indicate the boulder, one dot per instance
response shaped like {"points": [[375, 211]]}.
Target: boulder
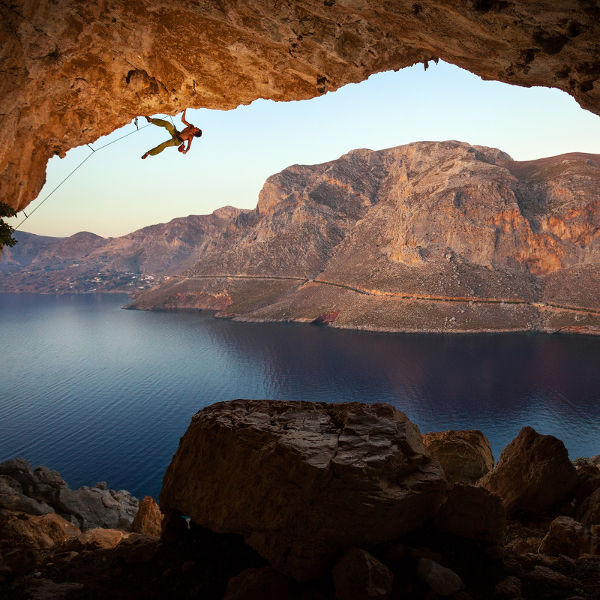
{"points": [[358, 575], [98, 507], [567, 536], [41, 491], [473, 513], [589, 512], [148, 519], [533, 474], [40, 532], [259, 584], [441, 580], [465, 456], [303, 481]]}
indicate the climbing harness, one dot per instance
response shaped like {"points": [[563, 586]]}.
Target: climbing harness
{"points": [[93, 151]]}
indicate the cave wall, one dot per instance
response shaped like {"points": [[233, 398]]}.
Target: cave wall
{"points": [[74, 70]]}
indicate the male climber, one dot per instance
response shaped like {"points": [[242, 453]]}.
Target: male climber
{"points": [[178, 138]]}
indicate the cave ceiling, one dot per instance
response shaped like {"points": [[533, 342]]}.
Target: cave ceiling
{"points": [[73, 70]]}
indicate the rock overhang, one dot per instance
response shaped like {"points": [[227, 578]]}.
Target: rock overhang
{"points": [[75, 71]]}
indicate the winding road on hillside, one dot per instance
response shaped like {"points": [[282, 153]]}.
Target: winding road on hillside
{"points": [[403, 295]]}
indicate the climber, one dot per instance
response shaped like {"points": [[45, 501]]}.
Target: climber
{"points": [[178, 138]]}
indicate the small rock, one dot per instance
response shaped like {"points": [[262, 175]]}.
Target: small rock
{"points": [[441, 580], [589, 512], [567, 536], [465, 456], [261, 584], [148, 519], [358, 575], [546, 577], [97, 539], [509, 589]]}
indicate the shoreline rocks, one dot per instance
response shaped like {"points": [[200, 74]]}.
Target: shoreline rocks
{"points": [[42, 491], [315, 477]]}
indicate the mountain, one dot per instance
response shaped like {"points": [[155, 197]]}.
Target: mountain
{"points": [[436, 236], [87, 262]]}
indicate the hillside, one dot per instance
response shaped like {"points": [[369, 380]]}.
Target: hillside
{"points": [[438, 236], [87, 262]]}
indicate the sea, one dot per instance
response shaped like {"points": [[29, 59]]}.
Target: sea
{"points": [[104, 394]]}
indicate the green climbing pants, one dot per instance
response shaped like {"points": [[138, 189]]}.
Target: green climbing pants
{"points": [[174, 141]]}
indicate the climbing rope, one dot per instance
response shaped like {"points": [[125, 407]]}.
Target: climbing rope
{"points": [[93, 151]]}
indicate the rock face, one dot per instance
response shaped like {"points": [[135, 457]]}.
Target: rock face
{"points": [[437, 236], [533, 474], [465, 456], [111, 62], [41, 491], [345, 474]]}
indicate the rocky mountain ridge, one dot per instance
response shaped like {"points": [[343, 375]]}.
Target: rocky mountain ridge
{"points": [[439, 236]]}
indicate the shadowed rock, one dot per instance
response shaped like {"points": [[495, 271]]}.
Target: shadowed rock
{"points": [[302, 481], [567, 536], [473, 513], [358, 575], [533, 474]]}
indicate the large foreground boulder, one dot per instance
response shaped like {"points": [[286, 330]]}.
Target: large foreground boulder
{"points": [[303, 481], [533, 474], [465, 455]]}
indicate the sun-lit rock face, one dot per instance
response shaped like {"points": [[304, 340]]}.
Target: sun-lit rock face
{"points": [[74, 70]]}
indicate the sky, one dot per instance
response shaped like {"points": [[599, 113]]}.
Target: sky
{"points": [[115, 192]]}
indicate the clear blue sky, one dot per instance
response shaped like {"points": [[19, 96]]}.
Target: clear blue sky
{"points": [[115, 192]]}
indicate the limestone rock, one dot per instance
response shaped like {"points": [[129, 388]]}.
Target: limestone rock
{"points": [[97, 507], [302, 481], [473, 513], [358, 575], [465, 456], [533, 474], [567, 536], [111, 62], [42, 490], [441, 580], [148, 519], [259, 584]]}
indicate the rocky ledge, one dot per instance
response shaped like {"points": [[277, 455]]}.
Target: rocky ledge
{"points": [[292, 500]]}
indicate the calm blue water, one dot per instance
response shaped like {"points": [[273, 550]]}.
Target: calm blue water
{"points": [[104, 394]]}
